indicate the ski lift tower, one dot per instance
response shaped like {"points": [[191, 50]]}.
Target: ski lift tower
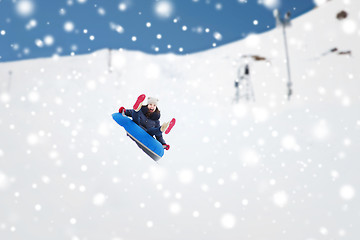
{"points": [[8, 84], [285, 22], [110, 67], [243, 85]]}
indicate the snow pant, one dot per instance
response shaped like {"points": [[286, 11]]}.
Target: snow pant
{"points": [[151, 131]]}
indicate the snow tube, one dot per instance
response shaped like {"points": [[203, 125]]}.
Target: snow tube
{"points": [[147, 143]]}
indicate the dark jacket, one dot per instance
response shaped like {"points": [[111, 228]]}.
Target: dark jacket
{"points": [[148, 120]]}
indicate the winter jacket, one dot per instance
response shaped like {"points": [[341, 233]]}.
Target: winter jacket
{"points": [[148, 121]]}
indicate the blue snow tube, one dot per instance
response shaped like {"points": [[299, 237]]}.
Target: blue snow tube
{"points": [[147, 143]]}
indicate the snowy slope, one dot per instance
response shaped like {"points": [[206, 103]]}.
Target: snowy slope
{"points": [[269, 169]]}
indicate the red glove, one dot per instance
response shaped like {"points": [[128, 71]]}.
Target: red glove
{"points": [[166, 146], [122, 109]]}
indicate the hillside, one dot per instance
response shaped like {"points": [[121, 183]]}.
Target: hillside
{"points": [[264, 169]]}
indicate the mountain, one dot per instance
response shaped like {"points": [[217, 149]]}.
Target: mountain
{"points": [[272, 168]]}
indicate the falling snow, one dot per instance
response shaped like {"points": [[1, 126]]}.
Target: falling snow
{"points": [[25, 8], [347, 192], [228, 221], [163, 8], [280, 198], [271, 4], [69, 26], [272, 168]]}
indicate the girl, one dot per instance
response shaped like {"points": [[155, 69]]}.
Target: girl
{"points": [[147, 117]]}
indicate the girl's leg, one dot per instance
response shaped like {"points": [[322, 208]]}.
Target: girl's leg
{"points": [[157, 133], [154, 131], [136, 117]]}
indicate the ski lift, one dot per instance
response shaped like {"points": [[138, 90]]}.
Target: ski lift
{"points": [[242, 84], [285, 22]]}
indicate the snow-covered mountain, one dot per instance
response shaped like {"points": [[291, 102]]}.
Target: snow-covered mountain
{"points": [[264, 169]]}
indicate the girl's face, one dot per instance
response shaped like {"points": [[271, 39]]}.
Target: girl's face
{"points": [[152, 107]]}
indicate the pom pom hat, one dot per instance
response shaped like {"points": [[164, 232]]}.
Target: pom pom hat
{"points": [[152, 100]]}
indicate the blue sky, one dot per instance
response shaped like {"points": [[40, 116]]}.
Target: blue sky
{"points": [[43, 28]]}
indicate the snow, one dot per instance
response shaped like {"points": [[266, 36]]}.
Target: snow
{"points": [[228, 221], [217, 36], [163, 9], [3, 181], [347, 192], [271, 4], [349, 26], [122, 6], [175, 208], [25, 8], [218, 6], [321, 130], [69, 26], [37, 207], [249, 157], [185, 176], [319, 2], [99, 199], [264, 169], [49, 40], [280, 198], [73, 221], [39, 43], [253, 41], [101, 11]]}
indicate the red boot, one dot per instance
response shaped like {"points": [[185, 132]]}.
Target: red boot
{"points": [[137, 106], [166, 127]]}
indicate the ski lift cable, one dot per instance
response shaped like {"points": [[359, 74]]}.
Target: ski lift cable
{"points": [[284, 23]]}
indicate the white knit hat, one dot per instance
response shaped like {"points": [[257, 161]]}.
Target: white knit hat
{"points": [[152, 100]]}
